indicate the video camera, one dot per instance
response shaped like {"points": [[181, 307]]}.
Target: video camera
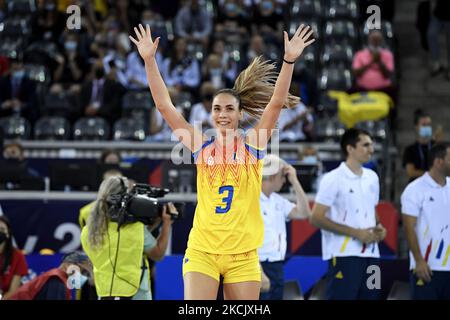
{"points": [[141, 204]]}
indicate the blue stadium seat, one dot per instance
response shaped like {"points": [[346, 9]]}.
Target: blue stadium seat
{"points": [[130, 129], [338, 30], [91, 129], [15, 127], [52, 128]]}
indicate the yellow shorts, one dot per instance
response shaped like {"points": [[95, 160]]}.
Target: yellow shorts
{"points": [[233, 267]]}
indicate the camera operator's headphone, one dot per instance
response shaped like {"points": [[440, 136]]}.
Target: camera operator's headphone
{"points": [[114, 200]]}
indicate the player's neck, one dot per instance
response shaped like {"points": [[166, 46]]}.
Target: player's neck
{"points": [[437, 176], [354, 166]]}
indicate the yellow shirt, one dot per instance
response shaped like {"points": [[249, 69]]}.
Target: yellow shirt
{"points": [[227, 218]]}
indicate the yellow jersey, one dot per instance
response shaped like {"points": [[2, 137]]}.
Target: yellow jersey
{"points": [[227, 218]]}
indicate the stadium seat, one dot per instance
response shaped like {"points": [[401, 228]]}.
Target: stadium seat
{"points": [[338, 54], [292, 291], [15, 28], [21, 7], [347, 9], [305, 8], [91, 129], [15, 127], [318, 292], [11, 48], [338, 30], [38, 73], [399, 291], [335, 78], [52, 128], [329, 129], [57, 105], [312, 22], [130, 129], [137, 100]]}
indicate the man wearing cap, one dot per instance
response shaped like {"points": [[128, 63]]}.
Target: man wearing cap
{"points": [[276, 211], [56, 283]]}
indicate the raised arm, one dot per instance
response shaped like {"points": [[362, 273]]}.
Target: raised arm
{"points": [[185, 132], [292, 50]]}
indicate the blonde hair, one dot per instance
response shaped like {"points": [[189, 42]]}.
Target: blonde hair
{"points": [[254, 88], [99, 219]]}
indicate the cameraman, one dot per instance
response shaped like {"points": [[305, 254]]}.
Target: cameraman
{"points": [[121, 269]]}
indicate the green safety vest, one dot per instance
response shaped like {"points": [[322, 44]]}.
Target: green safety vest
{"points": [[128, 271]]}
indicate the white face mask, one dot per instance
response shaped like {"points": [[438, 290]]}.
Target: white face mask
{"points": [[310, 160]]}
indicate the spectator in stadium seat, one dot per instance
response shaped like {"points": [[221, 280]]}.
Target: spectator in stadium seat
{"points": [[276, 212], [213, 72], [425, 208], [232, 19], [228, 207], [56, 284], [229, 65], [13, 265], [18, 93], [159, 129], [201, 112], [295, 124], [193, 23], [439, 21], [47, 22], [345, 210], [415, 157], [71, 71], [181, 70], [101, 97], [373, 66], [267, 21]]}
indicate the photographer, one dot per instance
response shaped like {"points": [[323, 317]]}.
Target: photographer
{"points": [[118, 252]]}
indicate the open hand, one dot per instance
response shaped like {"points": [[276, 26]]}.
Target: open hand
{"points": [[144, 43], [293, 48]]}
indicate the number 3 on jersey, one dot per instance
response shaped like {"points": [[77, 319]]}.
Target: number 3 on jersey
{"points": [[226, 200]]}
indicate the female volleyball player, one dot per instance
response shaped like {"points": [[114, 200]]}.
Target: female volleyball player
{"points": [[228, 227]]}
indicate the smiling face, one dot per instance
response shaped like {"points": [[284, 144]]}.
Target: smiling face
{"points": [[225, 112]]}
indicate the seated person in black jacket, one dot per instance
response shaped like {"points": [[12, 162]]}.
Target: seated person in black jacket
{"points": [[18, 93], [101, 97]]}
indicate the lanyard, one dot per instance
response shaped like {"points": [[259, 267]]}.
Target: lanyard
{"points": [[422, 156]]}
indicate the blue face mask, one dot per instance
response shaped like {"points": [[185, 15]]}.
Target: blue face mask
{"points": [[231, 7], [18, 74], [425, 131], [310, 160], [267, 5], [70, 45]]}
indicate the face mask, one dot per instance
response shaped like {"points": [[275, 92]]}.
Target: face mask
{"points": [[231, 7], [3, 237], [267, 5], [18, 74], [310, 160], [50, 6], [70, 45], [425, 131]]}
